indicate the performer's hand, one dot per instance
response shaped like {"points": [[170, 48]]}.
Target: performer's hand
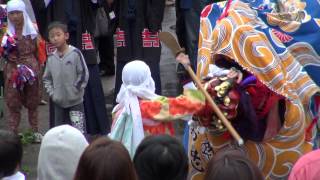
{"points": [[183, 59], [234, 73]]}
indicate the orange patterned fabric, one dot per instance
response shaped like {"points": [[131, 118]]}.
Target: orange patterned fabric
{"points": [[237, 37], [157, 115], [163, 110], [41, 50]]}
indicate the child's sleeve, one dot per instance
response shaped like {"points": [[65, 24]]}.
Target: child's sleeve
{"points": [[47, 80], [166, 109], [82, 72]]}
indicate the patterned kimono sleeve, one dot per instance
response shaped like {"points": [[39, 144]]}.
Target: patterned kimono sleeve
{"points": [[167, 109]]}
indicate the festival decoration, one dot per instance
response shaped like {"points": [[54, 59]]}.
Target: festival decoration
{"points": [[21, 76], [8, 44]]}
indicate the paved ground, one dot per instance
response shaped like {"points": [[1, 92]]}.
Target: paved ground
{"points": [[169, 85]]}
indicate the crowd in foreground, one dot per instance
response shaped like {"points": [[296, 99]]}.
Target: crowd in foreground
{"points": [[141, 111], [65, 154]]}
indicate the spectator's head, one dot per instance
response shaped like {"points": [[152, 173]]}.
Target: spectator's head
{"points": [[232, 165], [58, 34], [105, 159], [161, 158], [307, 167], [10, 153], [60, 152]]}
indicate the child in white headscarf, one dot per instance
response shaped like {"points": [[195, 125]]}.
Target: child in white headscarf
{"points": [[22, 67], [15, 23], [140, 111]]}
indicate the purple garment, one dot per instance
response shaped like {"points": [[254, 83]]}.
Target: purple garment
{"points": [[249, 80]]}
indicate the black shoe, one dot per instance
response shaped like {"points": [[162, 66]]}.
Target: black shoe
{"points": [[43, 102]]}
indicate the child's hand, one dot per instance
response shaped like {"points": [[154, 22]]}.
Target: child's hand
{"points": [[234, 73], [183, 59]]}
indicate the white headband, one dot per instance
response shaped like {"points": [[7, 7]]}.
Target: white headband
{"points": [[16, 5]]}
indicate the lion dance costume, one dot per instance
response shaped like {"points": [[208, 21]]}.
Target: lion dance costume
{"points": [[276, 102]]}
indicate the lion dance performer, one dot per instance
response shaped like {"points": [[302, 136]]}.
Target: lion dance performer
{"points": [[276, 101]]}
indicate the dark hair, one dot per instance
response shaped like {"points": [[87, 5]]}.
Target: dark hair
{"points": [[58, 24], [161, 157], [10, 153], [105, 159], [232, 165]]}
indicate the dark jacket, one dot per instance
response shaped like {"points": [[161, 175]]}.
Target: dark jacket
{"points": [[148, 13], [39, 9], [112, 22]]}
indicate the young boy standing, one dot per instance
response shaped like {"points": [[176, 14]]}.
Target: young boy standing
{"points": [[65, 78]]}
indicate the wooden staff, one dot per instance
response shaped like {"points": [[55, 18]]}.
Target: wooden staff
{"points": [[169, 40]]}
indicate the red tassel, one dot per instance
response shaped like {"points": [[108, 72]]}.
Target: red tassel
{"points": [[309, 128], [226, 136], [314, 120]]}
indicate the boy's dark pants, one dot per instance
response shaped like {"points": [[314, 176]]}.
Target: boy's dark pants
{"points": [[73, 115]]}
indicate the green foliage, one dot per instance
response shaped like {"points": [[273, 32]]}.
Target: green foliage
{"points": [[2, 31], [25, 170], [27, 137]]}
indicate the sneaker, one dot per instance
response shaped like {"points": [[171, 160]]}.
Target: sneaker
{"points": [[20, 135], [37, 137], [43, 102]]}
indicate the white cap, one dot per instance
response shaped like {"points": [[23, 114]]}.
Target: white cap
{"points": [[60, 152]]}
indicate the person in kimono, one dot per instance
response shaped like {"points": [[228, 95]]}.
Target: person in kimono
{"points": [[20, 47], [140, 111]]}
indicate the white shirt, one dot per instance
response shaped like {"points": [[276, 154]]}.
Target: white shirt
{"points": [[17, 176]]}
